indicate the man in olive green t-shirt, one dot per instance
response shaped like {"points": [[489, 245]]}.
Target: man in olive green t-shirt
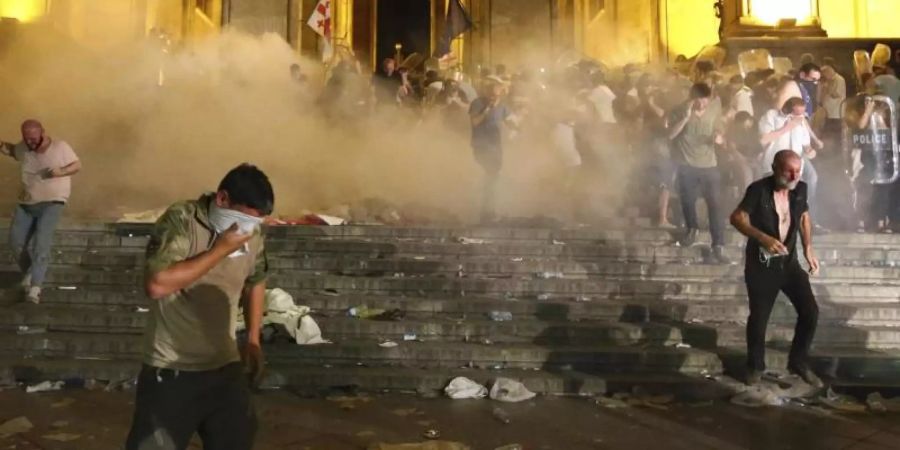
{"points": [[694, 131], [205, 258]]}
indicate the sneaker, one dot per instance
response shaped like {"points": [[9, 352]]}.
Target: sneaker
{"points": [[689, 238], [754, 377], [34, 294], [807, 375]]}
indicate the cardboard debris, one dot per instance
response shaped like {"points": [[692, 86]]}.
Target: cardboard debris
{"points": [[611, 403], [44, 387], [430, 445], [62, 437], [63, 403], [15, 426]]}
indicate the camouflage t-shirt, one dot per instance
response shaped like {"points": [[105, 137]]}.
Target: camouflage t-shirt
{"points": [[194, 328]]}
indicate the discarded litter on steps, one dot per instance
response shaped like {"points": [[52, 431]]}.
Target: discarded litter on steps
{"points": [[507, 390], [500, 316], [26, 330], [464, 388], [501, 415]]}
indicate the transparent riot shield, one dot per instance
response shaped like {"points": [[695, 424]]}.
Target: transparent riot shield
{"points": [[782, 65], [753, 60], [881, 56], [862, 64], [870, 138]]}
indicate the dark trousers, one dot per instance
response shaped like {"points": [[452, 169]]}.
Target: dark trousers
{"points": [[695, 183], [172, 405], [763, 285]]}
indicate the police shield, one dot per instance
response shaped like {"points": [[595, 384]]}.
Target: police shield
{"points": [[870, 138]]}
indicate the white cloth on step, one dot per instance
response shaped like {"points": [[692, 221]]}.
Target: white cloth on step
{"points": [[280, 310], [506, 390], [462, 387]]}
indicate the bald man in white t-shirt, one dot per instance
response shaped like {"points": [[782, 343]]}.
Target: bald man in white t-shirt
{"points": [[47, 166]]}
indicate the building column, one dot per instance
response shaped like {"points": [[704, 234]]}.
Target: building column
{"points": [[342, 23]]}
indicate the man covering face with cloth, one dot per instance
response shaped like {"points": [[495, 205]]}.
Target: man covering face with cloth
{"points": [[205, 258]]}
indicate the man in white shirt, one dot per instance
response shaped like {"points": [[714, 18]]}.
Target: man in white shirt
{"points": [[789, 129], [47, 166], [602, 97]]}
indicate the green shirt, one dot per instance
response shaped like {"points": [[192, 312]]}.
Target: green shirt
{"points": [[695, 145], [194, 328]]}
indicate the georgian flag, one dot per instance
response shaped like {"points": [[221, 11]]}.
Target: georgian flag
{"points": [[320, 20]]}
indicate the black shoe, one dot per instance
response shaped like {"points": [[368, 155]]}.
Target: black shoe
{"points": [[754, 377], [807, 375], [689, 238], [718, 255]]}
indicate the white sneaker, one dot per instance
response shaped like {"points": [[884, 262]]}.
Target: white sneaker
{"points": [[26, 282], [34, 294]]}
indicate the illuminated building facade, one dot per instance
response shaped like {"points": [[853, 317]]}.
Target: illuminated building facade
{"points": [[506, 31]]}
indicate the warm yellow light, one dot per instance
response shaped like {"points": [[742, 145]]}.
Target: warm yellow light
{"points": [[771, 11], [24, 10]]}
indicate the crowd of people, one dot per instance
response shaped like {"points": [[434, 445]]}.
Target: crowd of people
{"points": [[705, 137], [699, 136]]}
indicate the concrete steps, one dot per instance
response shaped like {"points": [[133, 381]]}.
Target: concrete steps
{"points": [[325, 251], [297, 238], [601, 358], [592, 307], [519, 270], [313, 379]]}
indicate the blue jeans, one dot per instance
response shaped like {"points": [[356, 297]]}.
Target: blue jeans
{"points": [[31, 236], [811, 177]]}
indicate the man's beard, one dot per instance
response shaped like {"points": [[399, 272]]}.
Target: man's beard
{"points": [[36, 145], [790, 185]]}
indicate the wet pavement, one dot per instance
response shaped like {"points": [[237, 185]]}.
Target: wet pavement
{"points": [[98, 420]]}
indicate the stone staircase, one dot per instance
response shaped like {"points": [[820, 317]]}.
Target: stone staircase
{"points": [[593, 309]]}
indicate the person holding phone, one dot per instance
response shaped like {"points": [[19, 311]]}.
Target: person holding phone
{"points": [[772, 212], [205, 258]]}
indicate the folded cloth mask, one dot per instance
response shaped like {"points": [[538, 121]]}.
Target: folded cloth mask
{"points": [[222, 219]]}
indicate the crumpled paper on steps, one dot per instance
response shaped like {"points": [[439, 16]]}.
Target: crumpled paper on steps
{"points": [[429, 445], [757, 396], [774, 390], [462, 388], [507, 390], [877, 403], [280, 309]]}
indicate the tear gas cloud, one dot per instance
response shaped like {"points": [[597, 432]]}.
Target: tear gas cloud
{"points": [[230, 99]]}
